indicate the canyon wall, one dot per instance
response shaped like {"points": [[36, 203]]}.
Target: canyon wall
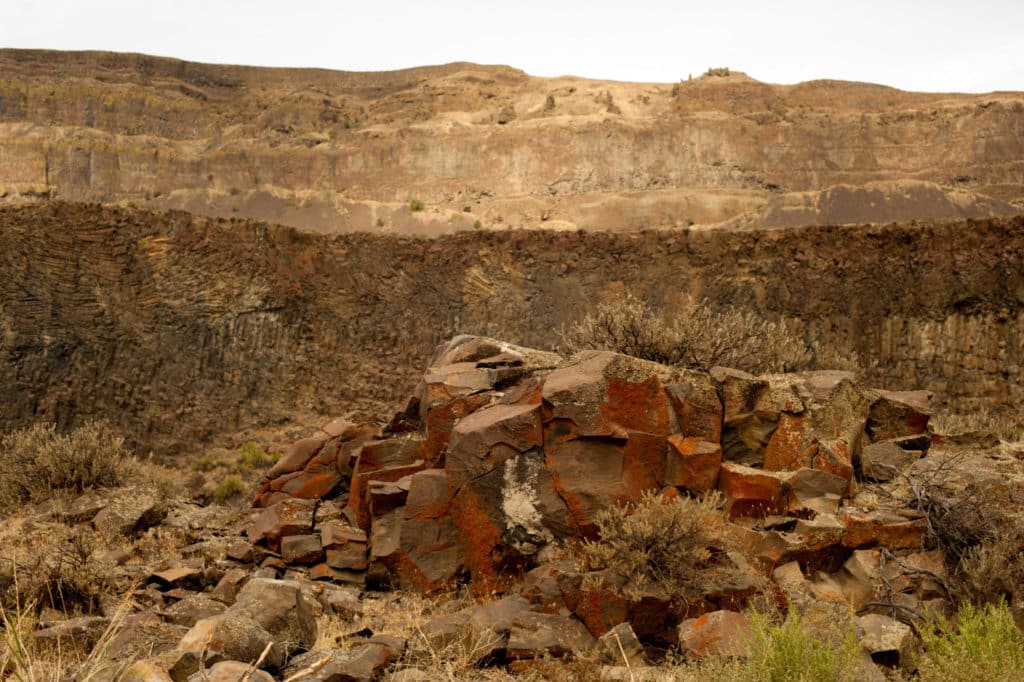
{"points": [[486, 147], [178, 327]]}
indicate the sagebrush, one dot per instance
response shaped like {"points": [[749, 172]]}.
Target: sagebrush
{"points": [[696, 336], [39, 460], [669, 543]]}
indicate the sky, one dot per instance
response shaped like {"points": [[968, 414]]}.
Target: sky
{"points": [[936, 46]]}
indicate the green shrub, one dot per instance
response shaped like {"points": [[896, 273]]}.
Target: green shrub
{"points": [[229, 488], [39, 460], [251, 456], [696, 337], [661, 543], [984, 646], [416, 205], [790, 651], [204, 463]]}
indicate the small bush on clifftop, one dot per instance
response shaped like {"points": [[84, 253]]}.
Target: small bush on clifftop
{"points": [[36, 461], [696, 337]]}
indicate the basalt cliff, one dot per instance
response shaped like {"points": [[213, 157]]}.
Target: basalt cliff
{"points": [[457, 147]]}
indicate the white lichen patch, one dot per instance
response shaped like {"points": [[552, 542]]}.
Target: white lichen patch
{"points": [[521, 504]]}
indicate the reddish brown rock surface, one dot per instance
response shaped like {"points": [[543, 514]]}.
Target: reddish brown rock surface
{"points": [[540, 445]]}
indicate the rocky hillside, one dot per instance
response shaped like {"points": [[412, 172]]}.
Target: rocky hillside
{"points": [[459, 147], [597, 518], [177, 327]]}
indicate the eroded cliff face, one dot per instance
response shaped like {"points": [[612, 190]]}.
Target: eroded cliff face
{"points": [[490, 147], [178, 327]]}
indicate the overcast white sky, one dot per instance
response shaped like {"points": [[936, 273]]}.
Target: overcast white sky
{"points": [[963, 46]]}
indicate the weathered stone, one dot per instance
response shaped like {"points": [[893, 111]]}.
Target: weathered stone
{"points": [[719, 633], [485, 439], [130, 511], [895, 414], [789, 577], [621, 646], [601, 609], [538, 634], [230, 671], [298, 455], [240, 550], [188, 611], [441, 632], [881, 529], [551, 587], [280, 607], [362, 663], [827, 434], [177, 577], [145, 671], [927, 570], [226, 590], [336, 575], [83, 631], [784, 393], [696, 406], [693, 464], [288, 517], [386, 496], [607, 395], [507, 516], [890, 643], [430, 548], [301, 549], [751, 492], [344, 603], [85, 507], [884, 461], [227, 636], [351, 558], [359, 499], [489, 626]]}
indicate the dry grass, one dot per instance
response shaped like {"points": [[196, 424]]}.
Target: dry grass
{"points": [[39, 460], [992, 571], [669, 544], [1005, 425], [23, 658], [697, 336]]}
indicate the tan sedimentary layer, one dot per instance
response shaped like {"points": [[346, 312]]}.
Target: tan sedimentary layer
{"points": [[490, 147]]}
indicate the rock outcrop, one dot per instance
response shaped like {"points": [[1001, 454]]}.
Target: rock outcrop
{"points": [[504, 453]]}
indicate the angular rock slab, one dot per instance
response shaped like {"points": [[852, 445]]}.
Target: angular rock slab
{"points": [[719, 633]]}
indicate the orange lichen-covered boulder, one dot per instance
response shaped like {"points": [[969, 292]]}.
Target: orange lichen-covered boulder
{"points": [[719, 633]]}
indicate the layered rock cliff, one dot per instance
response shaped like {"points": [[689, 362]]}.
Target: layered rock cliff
{"points": [[179, 327], [459, 147]]}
